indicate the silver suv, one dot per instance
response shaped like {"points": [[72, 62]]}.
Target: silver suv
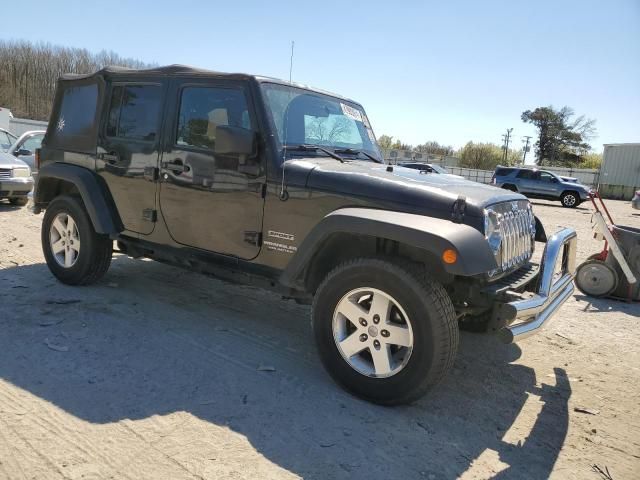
{"points": [[542, 184], [15, 179]]}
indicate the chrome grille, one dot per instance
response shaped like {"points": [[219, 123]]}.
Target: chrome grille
{"points": [[5, 173], [518, 231]]}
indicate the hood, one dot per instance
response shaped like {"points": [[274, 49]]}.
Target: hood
{"points": [[570, 179], [9, 161], [576, 185], [402, 186]]}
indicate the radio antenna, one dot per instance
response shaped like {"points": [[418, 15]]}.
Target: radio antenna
{"points": [[284, 195], [291, 60]]}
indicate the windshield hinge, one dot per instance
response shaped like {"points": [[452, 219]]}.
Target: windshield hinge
{"points": [[459, 207]]}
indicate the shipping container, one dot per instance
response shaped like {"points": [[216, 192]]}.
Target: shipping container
{"points": [[620, 170]]}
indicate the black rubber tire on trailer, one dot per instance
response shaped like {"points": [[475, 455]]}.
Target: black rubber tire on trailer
{"points": [[93, 258], [570, 199], [432, 320], [595, 278], [19, 201]]}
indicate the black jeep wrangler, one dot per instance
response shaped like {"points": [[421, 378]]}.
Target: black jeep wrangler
{"points": [[275, 184]]}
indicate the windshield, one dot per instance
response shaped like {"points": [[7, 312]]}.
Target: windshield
{"points": [[304, 117], [439, 169]]}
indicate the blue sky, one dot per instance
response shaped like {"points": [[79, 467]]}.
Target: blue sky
{"points": [[447, 71]]}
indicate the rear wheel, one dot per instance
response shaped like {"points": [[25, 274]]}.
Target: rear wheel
{"points": [[75, 253], [508, 186], [570, 199], [384, 331], [596, 278]]}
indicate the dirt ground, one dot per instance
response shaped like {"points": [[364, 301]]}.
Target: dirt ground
{"points": [[157, 372]]}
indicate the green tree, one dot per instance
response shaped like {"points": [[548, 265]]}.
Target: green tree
{"points": [[386, 142], [561, 138], [486, 156], [591, 160], [435, 148]]}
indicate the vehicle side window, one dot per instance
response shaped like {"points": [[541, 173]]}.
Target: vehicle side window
{"points": [[503, 172], [526, 174], [78, 110], [134, 112], [547, 177], [33, 142], [73, 123], [203, 109]]}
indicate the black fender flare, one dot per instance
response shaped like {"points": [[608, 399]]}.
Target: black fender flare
{"points": [[434, 235], [541, 235], [94, 193]]}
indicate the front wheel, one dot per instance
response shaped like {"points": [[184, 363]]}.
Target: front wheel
{"points": [[75, 253], [384, 331], [570, 200]]}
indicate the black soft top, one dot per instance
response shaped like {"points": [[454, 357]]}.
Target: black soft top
{"points": [[185, 70]]}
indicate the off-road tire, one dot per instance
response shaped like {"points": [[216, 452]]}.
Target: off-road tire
{"points": [[570, 199], [19, 201], [95, 252], [433, 321]]}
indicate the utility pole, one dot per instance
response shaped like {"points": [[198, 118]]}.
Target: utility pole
{"points": [[526, 149], [506, 139]]}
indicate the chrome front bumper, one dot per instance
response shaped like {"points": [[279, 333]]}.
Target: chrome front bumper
{"points": [[528, 315]]}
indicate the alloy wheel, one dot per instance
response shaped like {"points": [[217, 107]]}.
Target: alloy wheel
{"points": [[64, 240], [372, 332]]}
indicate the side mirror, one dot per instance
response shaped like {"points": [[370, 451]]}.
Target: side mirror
{"points": [[234, 141], [22, 152], [554, 180]]}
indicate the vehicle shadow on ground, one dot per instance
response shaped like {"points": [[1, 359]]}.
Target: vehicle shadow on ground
{"points": [[5, 206], [559, 205], [608, 304], [151, 340]]}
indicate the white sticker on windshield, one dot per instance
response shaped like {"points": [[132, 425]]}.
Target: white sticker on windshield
{"points": [[371, 136], [351, 112]]}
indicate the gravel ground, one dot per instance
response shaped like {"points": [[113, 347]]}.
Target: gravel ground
{"points": [[157, 372]]}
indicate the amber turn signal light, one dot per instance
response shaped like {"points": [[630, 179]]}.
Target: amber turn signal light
{"points": [[449, 256], [37, 159]]}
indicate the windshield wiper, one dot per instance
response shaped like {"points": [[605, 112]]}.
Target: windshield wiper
{"points": [[306, 147], [353, 151]]}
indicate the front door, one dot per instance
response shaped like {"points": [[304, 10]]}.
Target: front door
{"points": [[209, 201], [547, 185], [128, 150]]}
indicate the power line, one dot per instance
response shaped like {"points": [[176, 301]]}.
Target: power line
{"points": [[506, 139]]}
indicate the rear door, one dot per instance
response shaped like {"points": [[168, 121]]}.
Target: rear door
{"points": [[527, 181], [128, 149], [209, 201]]}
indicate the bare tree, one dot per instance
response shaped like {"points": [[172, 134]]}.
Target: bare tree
{"points": [[29, 72], [320, 132]]}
